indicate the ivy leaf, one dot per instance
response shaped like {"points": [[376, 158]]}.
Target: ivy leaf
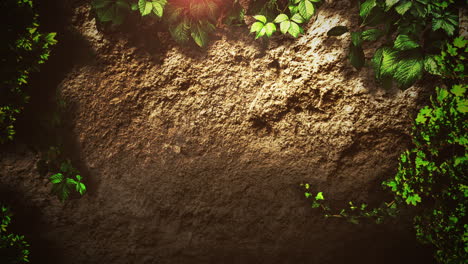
{"points": [[366, 8], [447, 23], [430, 65], [261, 18], [270, 28], [284, 26], [404, 42], [356, 38], [371, 34], [376, 62], [337, 31], [180, 32], [390, 3], [413, 199], [256, 27], [319, 196], [306, 9], [261, 33], [403, 8], [460, 42], [157, 9], [458, 90], [56, 178], [294, 30], [148, 8], [409, 70], [297, 18], [307, 194], [356, 56], [280, 18], [389, 61], [200, 36]]}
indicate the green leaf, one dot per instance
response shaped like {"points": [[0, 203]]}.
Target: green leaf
{"points": [[200, 36], [409, 71], [261, 33], [366, 8], [441, 95], [256, 27], [390, 3], [389, 61], [141, 6], [445, 23], [158, 9], [371, 34], [180, 32], [376, 62], [356, 56], [404, 42], [403, 7], [458, 90], [337, 31], [413, 199], [270, 28], [297, 18], [460, 42], [147, 9], [319, 196], [356, 38], [79, 178], [284, 26], [56, 178], [430, 65], [307, 194], [280, 18], [306, 9], [294, 30], [261, 18]]}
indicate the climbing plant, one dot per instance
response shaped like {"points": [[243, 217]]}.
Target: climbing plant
{"points": [[431, 175], [23, 48], [408, 32], [190, 20], [13, 247], [287, 15]]}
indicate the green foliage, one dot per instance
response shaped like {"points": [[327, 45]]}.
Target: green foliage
{"points": [[300, 11], [411, 32], [68, 178], [434, 173], [23, 48], [13, 248], [64, 182], [113, 11]]}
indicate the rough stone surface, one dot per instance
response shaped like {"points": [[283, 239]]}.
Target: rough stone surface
{"points": [[195, 156]]}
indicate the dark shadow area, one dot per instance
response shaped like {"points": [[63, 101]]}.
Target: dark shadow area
{"points": [[28, 220]]}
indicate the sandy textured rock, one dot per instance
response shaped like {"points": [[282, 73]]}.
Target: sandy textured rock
{"points": [[195, 156]]}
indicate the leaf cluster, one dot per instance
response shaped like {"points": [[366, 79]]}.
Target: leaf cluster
{"points": [[300, 11], [433, 174], [186, 20], [410, 33], [23, 48], [13, 247]]}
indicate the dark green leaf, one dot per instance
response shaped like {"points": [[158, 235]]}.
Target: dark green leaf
{"points": [[404, 42], [371, 34], [356, 56], [403, 7], [366, 8]]}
